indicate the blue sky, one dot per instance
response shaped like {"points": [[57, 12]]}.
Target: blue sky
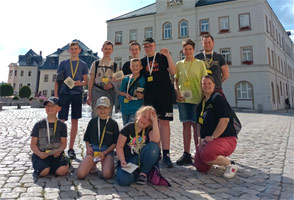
{"points": [[45, 25]]}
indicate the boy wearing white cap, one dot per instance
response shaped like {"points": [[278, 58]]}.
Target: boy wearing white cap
{"points": [[100, 137]]}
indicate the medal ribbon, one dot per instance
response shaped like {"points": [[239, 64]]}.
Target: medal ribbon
{"points": [[103, 132], [205, 61], [48, 130], [150, 70], [73, 73]]}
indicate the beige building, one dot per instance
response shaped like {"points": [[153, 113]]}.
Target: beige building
{"points": [[253, 41]]}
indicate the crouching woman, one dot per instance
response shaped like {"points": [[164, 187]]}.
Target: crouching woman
{"points": [[218, 136]]}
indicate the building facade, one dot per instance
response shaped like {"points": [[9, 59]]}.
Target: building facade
{"points": [[248, 34], [25, 72]]}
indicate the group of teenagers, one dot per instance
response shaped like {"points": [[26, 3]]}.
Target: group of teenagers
{"points": [[144, 93]]}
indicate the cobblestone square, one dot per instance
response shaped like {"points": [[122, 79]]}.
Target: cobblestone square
{"points": [[264, 155]]}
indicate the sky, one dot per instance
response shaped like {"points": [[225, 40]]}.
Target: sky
{"points": [[45, 25]]}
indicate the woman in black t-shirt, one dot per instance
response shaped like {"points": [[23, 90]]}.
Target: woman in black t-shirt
{"points": [[218, 136], [137, 144]]}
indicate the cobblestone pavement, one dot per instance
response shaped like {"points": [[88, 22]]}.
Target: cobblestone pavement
{"points": [[264, 155]]}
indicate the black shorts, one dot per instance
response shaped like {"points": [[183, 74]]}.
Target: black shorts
{"points": [[75, 100], [54, 163], [162, 102]]}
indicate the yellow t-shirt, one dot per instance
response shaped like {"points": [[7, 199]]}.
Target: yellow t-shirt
{"points": [[189, 75]]}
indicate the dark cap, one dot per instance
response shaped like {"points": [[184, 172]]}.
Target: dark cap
{"points": [[53, 100], [148, 41]]}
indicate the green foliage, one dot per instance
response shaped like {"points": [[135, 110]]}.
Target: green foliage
{"points": [[6, 90], [25, 92], [15, 98]]}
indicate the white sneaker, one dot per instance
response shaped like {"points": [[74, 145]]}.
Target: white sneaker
{"points": [[230, 171]]}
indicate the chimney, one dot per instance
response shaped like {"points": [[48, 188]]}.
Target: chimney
{"points": [[41, 53]]}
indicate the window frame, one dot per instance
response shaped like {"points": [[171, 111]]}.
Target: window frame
{"points": [[165, 31], [225, 29], [133, 33], [246, 62], [228, 61], [244, 95], [247, 26], [202, 32], [118, 37], [186, 29], [146, 34]]}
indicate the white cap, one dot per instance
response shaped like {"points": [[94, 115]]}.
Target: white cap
{"points": [[103, 101]]}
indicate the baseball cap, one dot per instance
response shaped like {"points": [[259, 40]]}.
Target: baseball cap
{"points": [[103, 101], [148, 41], [53, 100]]}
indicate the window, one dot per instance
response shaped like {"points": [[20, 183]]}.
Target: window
{"points": [[46, 77], [270, 27], [15, 73], [273, 94], [30, 73], [29, 85], [223, 24], [133, 35], [281, 88], [52, 92], [54, 77], [21, 73], [20, 86], [227, 55], [278, 94], [10, 72], [244, 90], [167, 31], [118, 37], [273, 59], [118, 61], [247, 55], [45, 93], [183, 28], [266, 24], [148, 32], [204, 26], [269, 56], [244, 22]]}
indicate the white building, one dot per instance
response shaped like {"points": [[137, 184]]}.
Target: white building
{"points": [[25, 72], [257, 48]]}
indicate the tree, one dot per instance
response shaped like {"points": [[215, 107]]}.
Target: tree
{"points": [[6, 90], [25, 92]]}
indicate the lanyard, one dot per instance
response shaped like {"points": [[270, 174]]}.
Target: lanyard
{"points": [[203, 105], [104, 66], [48, 130], [103, 132], [208, 63], [187, 72], [130, 84], [150, 70], [137, 138], [72, 72]]}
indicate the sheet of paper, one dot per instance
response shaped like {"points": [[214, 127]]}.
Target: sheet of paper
{"points": [[69, 82], [130, 168]]}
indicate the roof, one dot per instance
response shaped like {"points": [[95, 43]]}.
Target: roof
{"points": [[210, 2], [147, 10], [87, 55], [30, 59]]}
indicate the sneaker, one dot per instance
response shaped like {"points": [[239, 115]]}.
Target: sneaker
{"points": [[142, 180], [230, 171], [71, 154], [35, 176], [166, 162], [185, 159]]}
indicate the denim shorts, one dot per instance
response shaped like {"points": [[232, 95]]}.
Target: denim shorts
{"points": [[187, 112]]}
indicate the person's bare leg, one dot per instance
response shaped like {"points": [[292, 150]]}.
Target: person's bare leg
{"points": [[108, 167], [73, 132], [187, 136]]}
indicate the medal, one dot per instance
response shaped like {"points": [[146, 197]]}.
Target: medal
{"points": [[200, 120], [150, 78], [104, 80], [126, 100]]}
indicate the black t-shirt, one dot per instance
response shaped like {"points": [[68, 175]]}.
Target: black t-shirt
{"points": [[40, 131], [129, 132], [214, 109], [126, 68], [215, 66], [161, 80], [111, 132]]}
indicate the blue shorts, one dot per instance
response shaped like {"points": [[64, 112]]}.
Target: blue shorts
{"points": [[76, 106], [54, 163], [187, 112]]}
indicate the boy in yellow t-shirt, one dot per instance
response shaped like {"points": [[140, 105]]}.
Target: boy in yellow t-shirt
{"points": [[188, 93]]}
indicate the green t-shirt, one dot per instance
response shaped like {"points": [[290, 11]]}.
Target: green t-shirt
{"points": [[189, 75]]}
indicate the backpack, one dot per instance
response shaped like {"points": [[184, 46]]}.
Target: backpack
{"points": [[114, 67], [235, 120]]}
